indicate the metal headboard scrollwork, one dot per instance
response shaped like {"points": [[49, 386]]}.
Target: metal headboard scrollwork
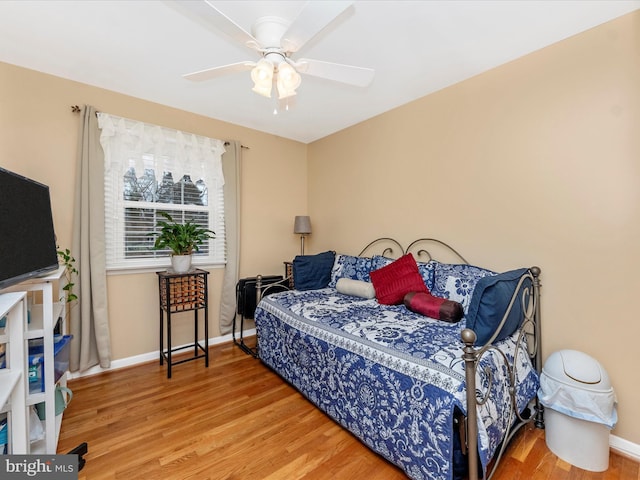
{"points": [[387, 245], [423, 247]]}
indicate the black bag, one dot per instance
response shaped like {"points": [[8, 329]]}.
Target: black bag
{"points": [[246, 293]]}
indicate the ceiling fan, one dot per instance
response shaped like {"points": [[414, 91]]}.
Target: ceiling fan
{"points": [[276, 40]]}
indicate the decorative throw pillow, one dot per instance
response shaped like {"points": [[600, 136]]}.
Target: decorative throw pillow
{"points": [[311, 272], [394, 281], [355, 288], [434, 307], [456, 282], [490, 300], [348, 266], [379, 261], [427, 271]]}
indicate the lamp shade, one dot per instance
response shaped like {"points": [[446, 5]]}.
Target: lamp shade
{"points": [[302, 225]]}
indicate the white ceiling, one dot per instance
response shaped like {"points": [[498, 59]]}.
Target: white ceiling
{"points": [[142, 48]]}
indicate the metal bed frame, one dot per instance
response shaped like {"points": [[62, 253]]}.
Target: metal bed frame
{"points": [[529, 336]]}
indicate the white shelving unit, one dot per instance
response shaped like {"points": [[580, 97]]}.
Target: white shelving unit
{"points": [[44, 312], [13, 378]]}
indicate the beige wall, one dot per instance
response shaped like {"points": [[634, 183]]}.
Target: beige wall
{"points": [[38, 136], [535, 162]]}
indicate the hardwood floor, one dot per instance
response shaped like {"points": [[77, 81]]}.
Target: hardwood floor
{"points": [[238, 420]]}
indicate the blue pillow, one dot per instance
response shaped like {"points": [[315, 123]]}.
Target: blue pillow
{"points": [[379, 261], [311, 272], [489, 303], [427, 272], [457, 282], [348, 266]]}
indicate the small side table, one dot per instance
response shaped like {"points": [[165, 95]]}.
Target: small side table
{"points": [[182, 292]]}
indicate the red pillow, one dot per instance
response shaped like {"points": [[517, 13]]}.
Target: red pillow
{"points": [[392, 282], [434, 307]]}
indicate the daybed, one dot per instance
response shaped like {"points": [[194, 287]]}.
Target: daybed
{"points": [[400, 380]]}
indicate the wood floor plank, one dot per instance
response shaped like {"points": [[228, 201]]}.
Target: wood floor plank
{"points": [[238, 420]]}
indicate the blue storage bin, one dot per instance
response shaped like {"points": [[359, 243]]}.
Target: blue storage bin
{"points": [[3, 436], [61, 353]]}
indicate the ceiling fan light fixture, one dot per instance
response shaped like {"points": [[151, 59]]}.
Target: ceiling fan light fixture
{"points": [[288, 80], [262, 76], [276, 40]]}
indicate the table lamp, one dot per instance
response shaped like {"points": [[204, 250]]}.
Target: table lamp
{"points": [[302, 226]]}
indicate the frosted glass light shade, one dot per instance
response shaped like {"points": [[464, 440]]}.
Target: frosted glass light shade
{"points": [[262, 76], [288, 80]]}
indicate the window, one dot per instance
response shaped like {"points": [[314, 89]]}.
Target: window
{"points": [[151, 169]]}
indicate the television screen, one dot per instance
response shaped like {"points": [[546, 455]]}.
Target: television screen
{"points": [[27, 238]]}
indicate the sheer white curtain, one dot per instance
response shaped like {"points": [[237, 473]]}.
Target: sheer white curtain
{"points": [[143, 146], [149, 169]]}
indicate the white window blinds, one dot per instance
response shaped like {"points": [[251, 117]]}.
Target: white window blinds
{"points": [[150, 169]]}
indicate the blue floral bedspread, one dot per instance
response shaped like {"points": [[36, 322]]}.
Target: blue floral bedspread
{"points": [[390, 376]]}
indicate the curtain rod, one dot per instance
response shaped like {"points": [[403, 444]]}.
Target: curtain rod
{"points": [[77, 109]]}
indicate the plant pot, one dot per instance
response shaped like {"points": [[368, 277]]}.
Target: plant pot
{"points": [[180, 263]]}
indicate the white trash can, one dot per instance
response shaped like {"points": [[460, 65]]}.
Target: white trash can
{"points": [[580, 409]]}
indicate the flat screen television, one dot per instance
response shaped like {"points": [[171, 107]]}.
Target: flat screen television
{"points": [[27, 238]]}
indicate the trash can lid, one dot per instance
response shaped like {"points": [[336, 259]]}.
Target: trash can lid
{"points": [[577, 369]]}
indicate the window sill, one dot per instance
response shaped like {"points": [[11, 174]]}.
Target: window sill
{"points": [[157, 268]]}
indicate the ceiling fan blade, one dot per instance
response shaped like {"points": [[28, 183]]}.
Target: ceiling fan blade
{"points": [[206, 12], [349, 74], [215, 72], [310, 21]]}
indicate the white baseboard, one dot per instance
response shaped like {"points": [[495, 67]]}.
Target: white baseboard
{"points": [[147, 357], [619, 445], [625, 447]]}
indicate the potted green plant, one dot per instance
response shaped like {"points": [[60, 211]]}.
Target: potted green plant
{"points": [[69, 262], [182, 239]]}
